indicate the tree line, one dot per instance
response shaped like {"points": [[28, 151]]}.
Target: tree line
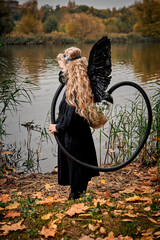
{"points": [[81, 21]]}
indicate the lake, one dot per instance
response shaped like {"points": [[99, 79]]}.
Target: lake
{"points": [[137, 62]]}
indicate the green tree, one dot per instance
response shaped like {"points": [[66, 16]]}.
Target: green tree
{"points": [[47, 10], [51, 24], [148, 18], [6, 21]]}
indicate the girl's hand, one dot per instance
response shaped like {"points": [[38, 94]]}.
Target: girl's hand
{"points": [[52, 128]]}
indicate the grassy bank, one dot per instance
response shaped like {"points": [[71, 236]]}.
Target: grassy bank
{"points": [[63, 38]]}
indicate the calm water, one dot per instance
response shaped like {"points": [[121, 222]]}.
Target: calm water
{"points": [[132, 62]]}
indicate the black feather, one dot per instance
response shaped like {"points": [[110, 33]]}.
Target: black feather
{"points": [[99, 67]]}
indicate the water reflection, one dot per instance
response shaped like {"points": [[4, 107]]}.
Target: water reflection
{"points": [[32, 61]]}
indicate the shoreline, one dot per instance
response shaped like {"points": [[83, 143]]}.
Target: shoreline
{"points": [[62, 39]]}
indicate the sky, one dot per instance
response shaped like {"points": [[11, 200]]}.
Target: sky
{"points": [[98, 4]]}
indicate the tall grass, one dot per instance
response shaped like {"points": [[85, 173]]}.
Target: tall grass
{"points": [[125, 129]]}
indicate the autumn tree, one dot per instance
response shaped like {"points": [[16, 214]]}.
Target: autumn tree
{"points": [[6, 21], [148, 18], [31, 18], [84, 26]]}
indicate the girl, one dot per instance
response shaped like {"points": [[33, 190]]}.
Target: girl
{"points": [[77, 112]]}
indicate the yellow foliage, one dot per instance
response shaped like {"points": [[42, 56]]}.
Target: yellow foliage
{"points": [[148, 18], [29, 24], [84, 26]]}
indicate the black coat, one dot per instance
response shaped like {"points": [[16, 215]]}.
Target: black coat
{"points": [[75, 135]]}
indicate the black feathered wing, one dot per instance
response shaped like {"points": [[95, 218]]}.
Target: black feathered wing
{"points": [[99, 67]]}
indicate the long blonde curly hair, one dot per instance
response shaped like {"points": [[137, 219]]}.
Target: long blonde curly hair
{"points": [[78, 88]]}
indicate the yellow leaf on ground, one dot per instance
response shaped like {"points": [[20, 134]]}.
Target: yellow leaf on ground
{"points": [[48, 232], [13, 206], [102, 230], [46, 216], [76, 209]]}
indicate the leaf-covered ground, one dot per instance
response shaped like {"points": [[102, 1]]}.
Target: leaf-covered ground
{"points": [[121, 205]]}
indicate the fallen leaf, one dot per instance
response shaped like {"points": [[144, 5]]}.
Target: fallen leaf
{"points": [[101, 201], [57, 221], [5, 198], [46, 201], [1, 209], [147, 183], [46, 216], [128, 190], [102, 230], [38, 195], [147, 209], [76, 209], [154, 177], [148, 232], [109, 204], [48, 232], [92, 227], [60, 215], [133, 199], [13, 227], [126, 220], [157, 233], [152, 220], [119, 206], [13, 206], [84, 237], [130, 215], [52, 225], [103, 181], [147, 189], [13, 214], [129, 207]]}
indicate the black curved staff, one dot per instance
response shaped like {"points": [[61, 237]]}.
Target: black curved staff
{"points": [[110, 91]]}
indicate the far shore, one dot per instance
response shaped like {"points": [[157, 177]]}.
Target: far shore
{"points": [[62, 38]]}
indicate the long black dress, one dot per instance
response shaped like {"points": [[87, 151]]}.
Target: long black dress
{"points": [[75, 135]]}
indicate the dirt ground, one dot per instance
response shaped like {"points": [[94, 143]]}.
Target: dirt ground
{"points": [[107, 184]]}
